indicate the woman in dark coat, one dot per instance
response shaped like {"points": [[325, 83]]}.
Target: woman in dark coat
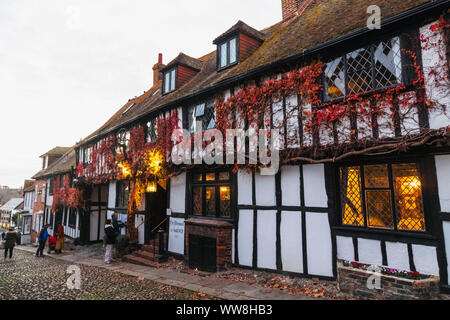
{"points": [[10, 241]]}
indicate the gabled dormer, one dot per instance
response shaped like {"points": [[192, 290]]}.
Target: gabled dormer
{"points": [[236, 45], [178, 72]]}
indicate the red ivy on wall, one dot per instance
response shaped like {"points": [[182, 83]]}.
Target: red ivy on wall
{"points": [[66, 196]]}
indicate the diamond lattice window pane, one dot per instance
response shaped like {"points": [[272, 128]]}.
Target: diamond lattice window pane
{"points": [[334, 79], [376, 176], [388, 63], [209, 119], [408, 197], [379, 209], [359, 68], [351, 196]]}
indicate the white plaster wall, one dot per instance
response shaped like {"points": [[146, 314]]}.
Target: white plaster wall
{"points": [[139, 223], [318, 243], [397, 255], [244, 187], [292, 122], [435, 89], [290, 185], [178, 193], [93, 225], [267, 237], [265, 190], [176, 235], [443, 177], [291, 241], [245, 238], [425, 259], [446, 228], [307, 136], [112, 194], [314, 183], [278, 119], [345, 249], [369, 251]]}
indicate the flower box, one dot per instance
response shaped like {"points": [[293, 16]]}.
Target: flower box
{"points": [[373, 282]]}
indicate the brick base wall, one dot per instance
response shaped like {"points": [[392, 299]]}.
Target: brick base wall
{"points": [[355, 282], [219, 230]]}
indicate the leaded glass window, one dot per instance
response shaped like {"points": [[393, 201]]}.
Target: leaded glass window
{"points": [[152, 130], [203, 114], [374, 67], [382, 196], [211, 194]]}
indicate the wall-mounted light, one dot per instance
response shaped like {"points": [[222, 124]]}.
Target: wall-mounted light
{"points": [[151, 187]]}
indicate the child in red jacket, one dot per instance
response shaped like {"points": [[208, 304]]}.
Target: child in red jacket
{"points": [[51, 244]]}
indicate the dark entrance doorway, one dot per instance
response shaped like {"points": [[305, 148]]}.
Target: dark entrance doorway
{"points": [[202, 253], [156, 211]]}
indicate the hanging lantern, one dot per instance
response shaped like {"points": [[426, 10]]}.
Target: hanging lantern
{"points": [[151, 187]]}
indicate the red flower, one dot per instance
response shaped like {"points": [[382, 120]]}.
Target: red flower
{"points": [[433, 28]]}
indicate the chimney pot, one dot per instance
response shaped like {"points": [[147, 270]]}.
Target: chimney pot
{"points": [[157, 76]]}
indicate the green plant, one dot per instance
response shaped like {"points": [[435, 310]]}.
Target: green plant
{"points": [[122, 242]]}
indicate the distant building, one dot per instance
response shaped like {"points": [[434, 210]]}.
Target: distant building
{"points": [[8, 210]]}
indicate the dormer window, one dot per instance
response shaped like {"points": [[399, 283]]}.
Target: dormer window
{"points": [[169, 81], [228, 53], [236, 45]]}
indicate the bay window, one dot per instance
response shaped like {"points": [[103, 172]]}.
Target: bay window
{"points": [[382, 196]]}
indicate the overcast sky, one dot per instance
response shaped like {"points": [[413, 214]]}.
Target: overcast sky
{"points": [[67, 66]]}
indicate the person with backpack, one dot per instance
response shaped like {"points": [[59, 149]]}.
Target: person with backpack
{"points": [[111, 235], [43, 236], [10, 241]]}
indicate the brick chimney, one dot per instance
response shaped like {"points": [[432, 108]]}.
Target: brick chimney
{"points": [[157, 75], [292, 8]]}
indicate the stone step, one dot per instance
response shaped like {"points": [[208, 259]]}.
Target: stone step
{"points": [[140, 261], [144, 254]]}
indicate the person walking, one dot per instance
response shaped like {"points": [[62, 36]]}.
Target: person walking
{"points": [[43, 236], [10, 241], [59, 238], [111, 235]]}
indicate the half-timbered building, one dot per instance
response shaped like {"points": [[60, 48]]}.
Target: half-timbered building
{"points": [[365, 159]]}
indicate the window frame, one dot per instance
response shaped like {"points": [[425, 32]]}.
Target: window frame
{"points": [[423, 167], [72, 220], [119, 186], [50, 187], [231, 183], [191, 112], [219, 53], [173, 73], [373, 72]]}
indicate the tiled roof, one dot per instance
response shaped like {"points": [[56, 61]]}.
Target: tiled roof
{"points": [[322, 21], [240, 27], [12, 204], [60, 166], [186, 60], [57, 151]]}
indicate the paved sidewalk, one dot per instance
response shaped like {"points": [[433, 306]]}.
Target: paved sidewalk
{"points": [[220, 288]]}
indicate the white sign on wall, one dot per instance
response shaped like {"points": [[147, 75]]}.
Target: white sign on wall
{"points": [[176, 235]]}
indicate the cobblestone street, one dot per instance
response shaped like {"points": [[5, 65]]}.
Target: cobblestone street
{"points": [[27, 277]]}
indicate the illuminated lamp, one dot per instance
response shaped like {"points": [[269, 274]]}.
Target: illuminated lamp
{"points": [[151, 187]]}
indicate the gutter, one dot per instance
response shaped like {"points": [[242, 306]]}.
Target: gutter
{"points": [[398, 21]]}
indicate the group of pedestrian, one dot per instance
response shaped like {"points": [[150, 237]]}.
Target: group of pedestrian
{"points": [[55, 242], [112, 231]]}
